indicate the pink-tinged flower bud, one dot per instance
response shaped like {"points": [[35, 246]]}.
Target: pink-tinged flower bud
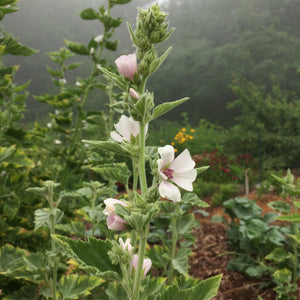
{"points": [[133, 93], [127, 65], [146, 264], [114, 222], [126, 246]]}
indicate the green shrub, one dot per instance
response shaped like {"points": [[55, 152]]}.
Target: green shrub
{"points": [[226, 191]]}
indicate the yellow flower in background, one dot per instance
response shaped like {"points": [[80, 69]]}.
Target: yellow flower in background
{"points": [[192, 130]]}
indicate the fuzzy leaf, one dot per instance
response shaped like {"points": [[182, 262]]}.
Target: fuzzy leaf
{"points": [[118, 171], [194, 200], [165, 107], [290, 218], [106, 146], [91, 254], [113, 46], [204, 290], [156, 63], [89, 14], [75, 286], [77, 48], [42, 217], [280, 206], [12, 46], [180, 262]]}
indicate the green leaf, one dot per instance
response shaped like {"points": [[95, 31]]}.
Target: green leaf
{"points": [[42, 217], [76, 286], [89, 14], [295, 238], [121, 1], [283, 276], [156, 63], [141, 109], [22, 87], [194, 200], [180, 262], [12, 46], [277, 255], [185, 224], [202, 169], [113, 46], [74, 65], [106, 146], [10, 256], [280, 206], [77, 48], [114, 77], [290, 218], [204, 290], [165, 107], [25, 293], [154, 286], [54, 73], [118, 171], [158, 256], [74, 228], [92, 254]]}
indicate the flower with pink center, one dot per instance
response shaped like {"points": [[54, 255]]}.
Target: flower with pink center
{"points": [[114, 222], [146, 264], [179, 171], [126, 128], [127, 65]]}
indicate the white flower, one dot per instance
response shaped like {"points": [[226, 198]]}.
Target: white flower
{"points": [[98, 38], [57, 142], [179, 171], [56, 112], [92, 51], [78, 84], [126, 128], [49, 125], [127, 245], [62, 81]]}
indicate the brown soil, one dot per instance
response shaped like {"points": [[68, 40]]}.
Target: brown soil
{"points": [[212, 252]]}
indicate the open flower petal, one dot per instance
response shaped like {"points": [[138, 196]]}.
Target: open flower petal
{"points": [[183, 162], [185, 180], [166, 154], [169, 191]]}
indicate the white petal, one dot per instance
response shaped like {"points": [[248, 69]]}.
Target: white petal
{"points": [[134, 127], [115, 136], [166, 154], [183, 162], [169, 191], [124, 127], [185, 180]]}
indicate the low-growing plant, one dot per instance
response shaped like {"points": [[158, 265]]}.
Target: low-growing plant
{"points": [[225, 192]]}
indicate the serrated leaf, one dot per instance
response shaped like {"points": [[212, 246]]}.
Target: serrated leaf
{"points": [[77, 48], [12, 46], [10, 256], [89, 14], [154, 287], [42, 217], [74, 66], [156, 63], [22, 87], [180, 262], [55, 73], [277, 255], [204, 290], [194, 200], [93, 253], [74, 228], [76, 286], [158, 256], [295, 238], [290, 218], [165, 107], [114, 77], [280, 206], [118, 171], [106, 146]]}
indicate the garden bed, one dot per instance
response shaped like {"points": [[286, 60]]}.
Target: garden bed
{"points": [[212, 253]]}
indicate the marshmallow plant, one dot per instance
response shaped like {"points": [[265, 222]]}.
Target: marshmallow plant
{"points": [[126, 265]]}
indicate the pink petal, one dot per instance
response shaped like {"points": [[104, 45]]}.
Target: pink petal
{"points": [[127, 65], [169, 191], [183, 162], [185, 180], [147, 265], [166, 154], [133, 93], [114, 222], [134, 261]]}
